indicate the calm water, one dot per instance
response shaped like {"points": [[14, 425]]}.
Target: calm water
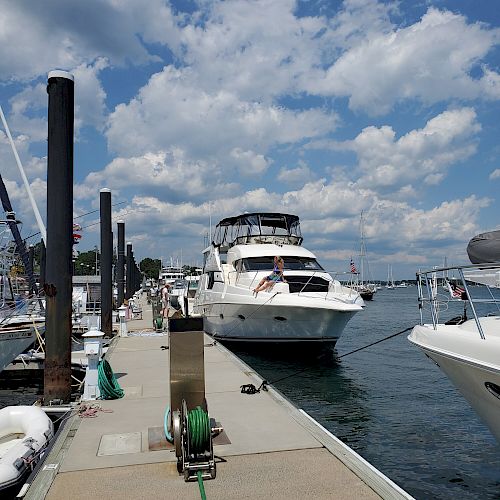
{"points": [[389, 403], [392, 405]]}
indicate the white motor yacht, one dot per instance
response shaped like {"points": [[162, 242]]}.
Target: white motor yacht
{"points": [[467, 350], [311, 306]]}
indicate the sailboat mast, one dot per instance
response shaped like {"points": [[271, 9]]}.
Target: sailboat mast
{"points": [[362, 250]]}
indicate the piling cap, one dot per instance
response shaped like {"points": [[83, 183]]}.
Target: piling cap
{"points": [[105, 190], [121, 221], [58, 73]]}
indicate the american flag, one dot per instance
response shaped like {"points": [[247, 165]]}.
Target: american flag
{"points": [[353, 267], [455, 290]]}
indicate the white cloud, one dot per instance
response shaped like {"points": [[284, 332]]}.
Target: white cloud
{"points": [[495, 174], [423, 154], [168, 172], [171, 110], [61, 34], [248, 162], [430, 60], [90, 106], [298, 176]]}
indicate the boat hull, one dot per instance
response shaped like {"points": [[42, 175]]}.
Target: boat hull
{"points": [[254, 323], [479, 383], [13, 341]]}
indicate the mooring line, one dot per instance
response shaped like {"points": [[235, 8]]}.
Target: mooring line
{"points": [[251, 389]]}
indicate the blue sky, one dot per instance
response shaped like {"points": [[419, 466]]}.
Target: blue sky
{"points": [[318, 108]]}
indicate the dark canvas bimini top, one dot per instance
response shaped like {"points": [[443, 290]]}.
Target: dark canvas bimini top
{"points": [[245, 228], [484, 248]]}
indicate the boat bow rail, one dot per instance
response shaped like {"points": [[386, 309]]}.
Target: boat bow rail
{"points": [[462, 287]]}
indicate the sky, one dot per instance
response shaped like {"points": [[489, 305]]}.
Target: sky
{"points": [[191, 111]]}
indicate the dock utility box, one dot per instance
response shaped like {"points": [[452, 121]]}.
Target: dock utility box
{"points": [[191, 428]]}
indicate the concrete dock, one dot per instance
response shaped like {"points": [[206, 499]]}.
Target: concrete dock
{"points": [[269, 448]]}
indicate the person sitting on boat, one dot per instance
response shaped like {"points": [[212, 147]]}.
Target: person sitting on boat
{"points": [[274, 277]]}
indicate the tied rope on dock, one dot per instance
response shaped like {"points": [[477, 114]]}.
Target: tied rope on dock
{"points": [[108, 385], [251, 389]]}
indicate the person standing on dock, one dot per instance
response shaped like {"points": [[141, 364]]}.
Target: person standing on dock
{"points": [[165, 300], [274, 277]]}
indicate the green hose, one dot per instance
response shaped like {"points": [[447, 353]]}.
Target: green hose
{"points": [[199, 433], [200, 485], [108, 385], [199, 430]]}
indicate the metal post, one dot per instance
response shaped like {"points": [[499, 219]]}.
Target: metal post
{"points": [[31, 260], [106, 262], [120, 265], [10, 216], [58, 286], [129, 289], [43, 263]]}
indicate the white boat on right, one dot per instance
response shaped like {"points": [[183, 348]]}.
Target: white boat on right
{"points": [[467, 347]]}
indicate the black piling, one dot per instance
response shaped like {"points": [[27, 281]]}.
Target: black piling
{"points": [[106, 262], [58, 283], [120, 264], [130, 261]]}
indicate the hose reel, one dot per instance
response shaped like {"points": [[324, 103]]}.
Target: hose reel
{"points": [[192, 433], [191, 427]]}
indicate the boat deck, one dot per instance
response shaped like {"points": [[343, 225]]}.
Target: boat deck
{"points": [[269, 448]]}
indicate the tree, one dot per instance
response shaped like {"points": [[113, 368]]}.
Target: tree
{"points": [[86, 261], [150, 267]]}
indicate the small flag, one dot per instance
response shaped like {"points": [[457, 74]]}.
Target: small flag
{"points": [[353, 267], [455, 290]]}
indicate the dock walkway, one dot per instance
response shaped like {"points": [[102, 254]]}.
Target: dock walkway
{"points": [[269, 448]]}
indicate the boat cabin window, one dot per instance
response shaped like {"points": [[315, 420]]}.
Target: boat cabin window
{"points": [[291, 264]]}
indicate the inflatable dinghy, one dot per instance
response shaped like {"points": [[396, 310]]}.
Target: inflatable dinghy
{"points": [[25, 431]]}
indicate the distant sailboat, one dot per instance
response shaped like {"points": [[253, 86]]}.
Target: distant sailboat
{"points": [[364, 289], [390, 281]]}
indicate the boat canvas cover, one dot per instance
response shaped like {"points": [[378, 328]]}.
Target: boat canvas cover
{"points": [[484, 248]]}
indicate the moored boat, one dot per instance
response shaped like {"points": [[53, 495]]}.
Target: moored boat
{"points": [[310, 306], [466, 349]]}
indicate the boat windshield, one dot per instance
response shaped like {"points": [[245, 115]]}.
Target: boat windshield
{"points": [[267, 264], [258, 228]]}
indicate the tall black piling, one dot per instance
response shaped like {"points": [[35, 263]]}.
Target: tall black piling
{"points": [[128, 274], [106, 262], [58, 285], [120, 263]]}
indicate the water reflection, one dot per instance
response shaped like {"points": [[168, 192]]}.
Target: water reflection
{"points": [[316, 381]]}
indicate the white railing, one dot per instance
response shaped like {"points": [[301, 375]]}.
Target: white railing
{"points": [[458, 289]]}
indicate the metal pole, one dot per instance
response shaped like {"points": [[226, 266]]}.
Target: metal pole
{"points": [[38, 217], [106, 262], [10, 216], [129, 291], [120, 265], [31, 260], [43, 263], [58, 286]]}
